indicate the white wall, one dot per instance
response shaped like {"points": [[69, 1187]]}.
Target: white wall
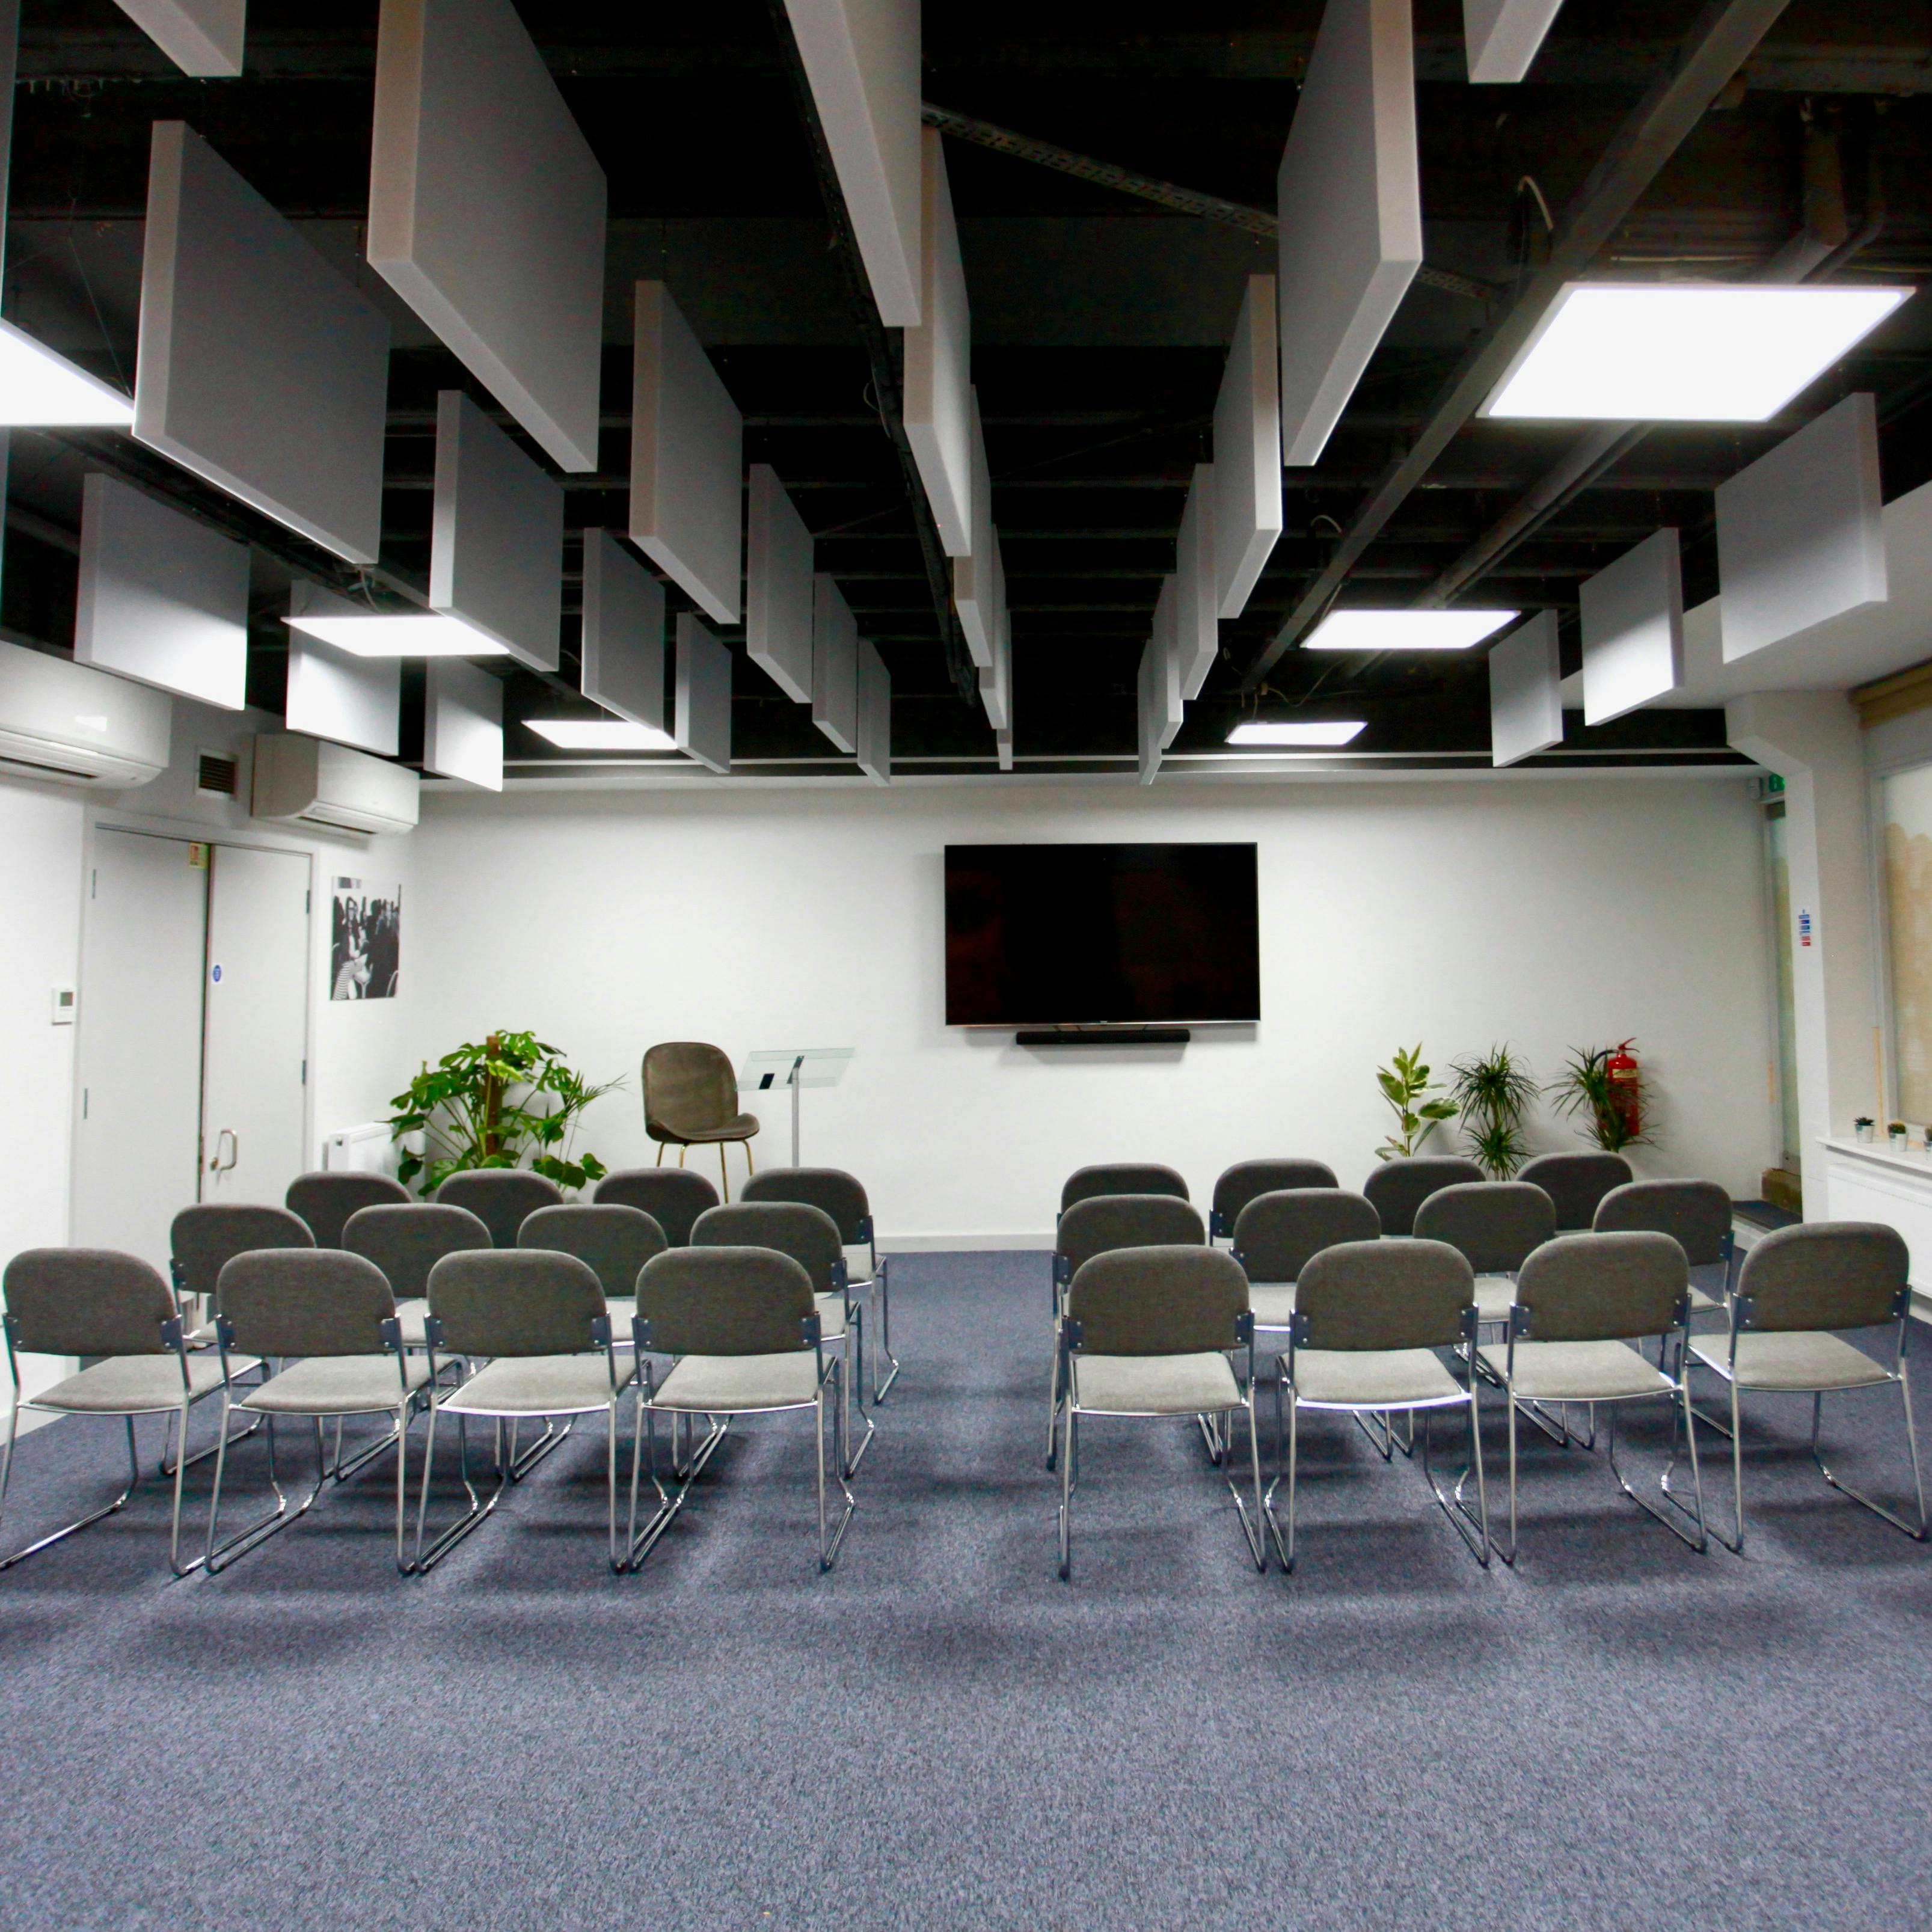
{"points": [[1550, 914]]}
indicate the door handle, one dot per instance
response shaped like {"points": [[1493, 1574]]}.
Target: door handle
{"points": [[217, 1165]]}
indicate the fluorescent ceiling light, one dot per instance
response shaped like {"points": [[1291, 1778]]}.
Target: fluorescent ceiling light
{"points": [[1262, 731], [39, 388], [397, 634], [1405, 630], [600, 734], [1683, 352]]}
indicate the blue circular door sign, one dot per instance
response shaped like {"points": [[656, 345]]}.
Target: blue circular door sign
{"points": [[218, 975]]}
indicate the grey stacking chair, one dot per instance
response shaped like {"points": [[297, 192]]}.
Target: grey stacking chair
{"points": [[1149, 1333], [1582, 1301], [325, 1201], [811, 1237], [741, 1327], [1576, 1183], [1249, 1179], [94, 1302], [204, 1237], [1277, 1234], [1696, 1214], [614, 1242], [1121, 1177], [499, 1197], [841, 1196], [1495, 1225], [405, 1241], [1372, 1320], [331, 1316], [673, 1197], [1398, 1187], [541, 1318], [1795, 1286]]}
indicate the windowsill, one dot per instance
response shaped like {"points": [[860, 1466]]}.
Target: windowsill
{"points": [[1880, 1155]]}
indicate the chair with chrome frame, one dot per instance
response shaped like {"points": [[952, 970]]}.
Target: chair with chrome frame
{"points": [[843, 1197], [1397, 1188], [540, 1317], [691, 1099], [673, 1197], [1576, 1183], [1495, 1225], [499, 1197], [1695, 1214], [811, 1237], [1583, 1302], [1121, 1177], [325, 1200], [1796, 1286], [1150, 1334], [331, 1315], [93, 1301], [741, 1327], [1249, 1179], [1372, 1320], [406, 1240], [613, 1242]]}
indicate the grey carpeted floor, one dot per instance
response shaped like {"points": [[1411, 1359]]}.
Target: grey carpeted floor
{"points": [[941, 1733]]}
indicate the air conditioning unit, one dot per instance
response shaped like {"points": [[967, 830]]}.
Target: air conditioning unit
{"points": [[63, 721], [309, 781]]}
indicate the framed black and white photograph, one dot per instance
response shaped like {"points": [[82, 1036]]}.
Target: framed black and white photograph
{"points": [[364, 940]]}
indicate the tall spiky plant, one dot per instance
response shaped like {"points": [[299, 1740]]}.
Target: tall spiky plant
{"points": [[1492, 1091]]}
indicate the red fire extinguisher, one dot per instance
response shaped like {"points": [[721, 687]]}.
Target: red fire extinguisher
{"points": [[1626, 1088]]}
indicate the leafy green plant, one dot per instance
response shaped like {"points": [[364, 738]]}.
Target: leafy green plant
{"points": [[1493, 1092], [1585, 1087], [490, 1103], [1406, 1086]]}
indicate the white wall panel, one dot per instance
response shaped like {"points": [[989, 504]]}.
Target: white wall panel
{"points": [[834, 664], [261, 368], [778, 585], [1633, 629], [1525, 693], [202, 38], [463, 723], [875, 714], [687, 459], [163, 599], [978, 578], [703, 716], [334, 694], [623, 647], [496, 557], [996, 681], [939, 413], [486, 212], [1350, 204], [1247, 451], [1502, 36], [1801, 536], [1197, 629], [862, 59]]}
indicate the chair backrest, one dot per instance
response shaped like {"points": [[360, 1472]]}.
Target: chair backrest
{"points": [[1576, 1183], [507, 1302], [723, 1301], [407, 1240], [1825, 1274], [807, 1234], [1158, 1301], [1121, 1177], [829, 1189], [499, 1197], [673, 1197], [1603, 1288], [283, 1301], [205, 1236], [1696, 1214], [1249, 1179], [86, 1301], [1275, 1234], [1496, 1224], [325, 1201], [1104, 1222], [1398, 1187], [1395, 1293], [688, 1088], [613, 1242]]}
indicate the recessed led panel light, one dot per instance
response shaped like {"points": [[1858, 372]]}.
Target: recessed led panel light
{"points": [[600, 734], [1405, 630], [397, 634], [1683, 352], [38, 387], [1262, 731]]}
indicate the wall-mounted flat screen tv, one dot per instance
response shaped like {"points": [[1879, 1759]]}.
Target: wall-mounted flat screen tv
{"points": [[1089, 935]]}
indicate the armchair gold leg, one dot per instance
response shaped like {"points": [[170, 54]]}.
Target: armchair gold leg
{"points": [[724, 1172], [659, 1161], [751, 1166]]}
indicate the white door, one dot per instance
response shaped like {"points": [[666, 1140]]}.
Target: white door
{"points": [[254, 1069], [136, 1137]]}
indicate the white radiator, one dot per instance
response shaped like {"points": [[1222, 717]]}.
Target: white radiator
{"points": [[364, 1149]]}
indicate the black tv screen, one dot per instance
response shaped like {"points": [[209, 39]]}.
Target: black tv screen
{"points": [[1074, 935]]}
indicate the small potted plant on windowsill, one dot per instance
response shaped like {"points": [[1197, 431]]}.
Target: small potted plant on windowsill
{"points": [[1862, 1128], [1894, 1132]]}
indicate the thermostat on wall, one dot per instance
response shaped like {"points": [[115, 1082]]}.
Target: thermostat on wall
{"points": [[63, 1014]]}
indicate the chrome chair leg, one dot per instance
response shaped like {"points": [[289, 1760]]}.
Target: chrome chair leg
{"points": [[828, 1552], [1251, 1529], [82, 1522], [422, 1560], [1472, 1528], [1070, 1416], [1700, 1542], [882, 1294], [1917, 1533]]}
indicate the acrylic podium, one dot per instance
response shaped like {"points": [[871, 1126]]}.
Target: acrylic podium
{"points": [[796, 1067]]}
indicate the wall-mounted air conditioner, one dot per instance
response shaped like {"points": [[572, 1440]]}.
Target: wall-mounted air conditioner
{"points": [[310, 782], [62, 721]]}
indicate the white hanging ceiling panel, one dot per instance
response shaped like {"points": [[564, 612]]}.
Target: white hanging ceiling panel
{"points": [[1166, 643], [1502, 36], [202, 38], [463, 723], [940, 412], [979, 577], [623, 647], [996, 681], [1525, 693], [1633, 629], [874, 749], [1151, 708], [1247, 451], [1197, 636], [835, 665], [703, 719], [334, 694], [778, 585]]}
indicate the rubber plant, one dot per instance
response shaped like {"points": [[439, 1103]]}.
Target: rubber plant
{"points": [[1584, 1088], [1493, 1092], [1407, 1086], [489, 1104]]}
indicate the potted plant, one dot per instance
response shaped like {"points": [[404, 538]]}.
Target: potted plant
{"points": [[1493, 1092], [1862, 1128], [1586, 1087], [1894, 1132], [1406, 1086], [490, 1103]]}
